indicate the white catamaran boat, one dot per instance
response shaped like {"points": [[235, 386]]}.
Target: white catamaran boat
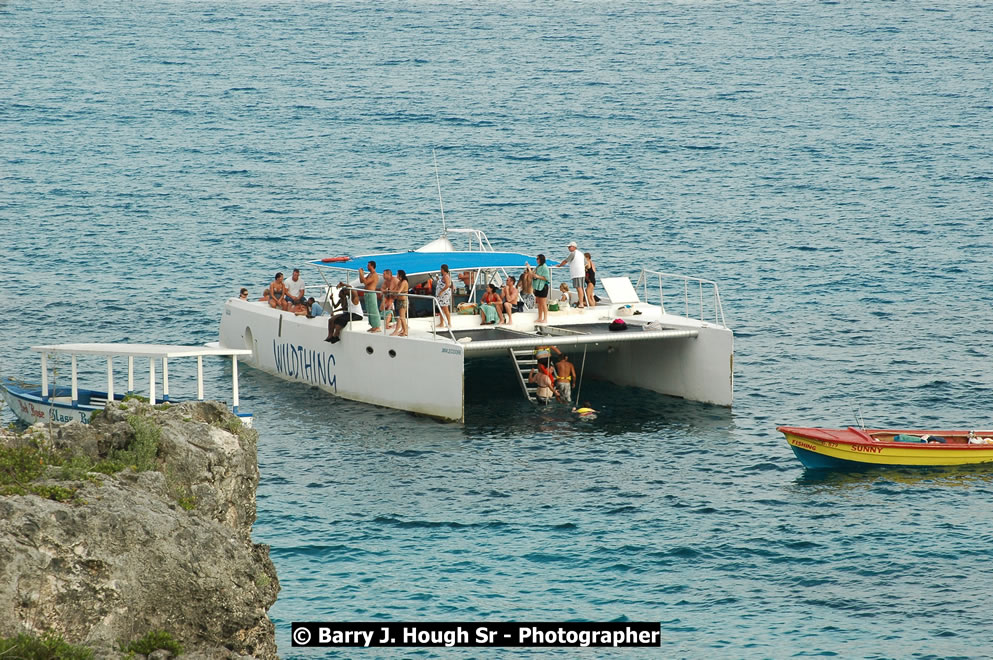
{"points": [[667, 350], [66, 404]]}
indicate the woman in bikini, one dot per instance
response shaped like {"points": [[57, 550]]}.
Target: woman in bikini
{"points": [[492, 306], [277, 293]]}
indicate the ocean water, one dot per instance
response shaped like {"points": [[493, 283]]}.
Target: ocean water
{"points": [[829, 164]]}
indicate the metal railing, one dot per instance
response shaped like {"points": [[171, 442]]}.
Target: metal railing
{"points": [[435, 308], [708, 304]]}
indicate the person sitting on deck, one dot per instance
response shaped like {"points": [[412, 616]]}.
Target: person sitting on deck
{"points": [[243, 294], [300, 309], [511, 298], [577, 271], [314, 308], [277, 293], [423, 288], [491, 307], [348, 301], [295, 288], [266, 296]]}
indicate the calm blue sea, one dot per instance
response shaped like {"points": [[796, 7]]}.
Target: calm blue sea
{"points": [[830, 164]]}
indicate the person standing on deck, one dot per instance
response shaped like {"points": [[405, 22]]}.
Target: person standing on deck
{"points": [[371, 281], [444, 296], [577, 271], [402, 304], [542, 278], [387, 305], [590, 279], [526, 286]]}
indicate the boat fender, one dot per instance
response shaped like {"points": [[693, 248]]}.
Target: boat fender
{"points": [[334, 260]]}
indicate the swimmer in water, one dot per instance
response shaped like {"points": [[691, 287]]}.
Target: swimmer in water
{"points": [[585, 411]]}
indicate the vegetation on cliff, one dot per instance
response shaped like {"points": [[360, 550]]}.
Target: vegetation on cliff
{"points": [[132, 535]]}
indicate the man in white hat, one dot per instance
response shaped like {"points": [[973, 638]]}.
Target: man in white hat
{"points": [[577, 271]]}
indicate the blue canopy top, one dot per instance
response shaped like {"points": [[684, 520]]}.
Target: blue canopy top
{"points": [[416, 263]]}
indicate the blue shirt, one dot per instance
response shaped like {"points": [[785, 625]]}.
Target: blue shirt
{"points": [[541, 285]]}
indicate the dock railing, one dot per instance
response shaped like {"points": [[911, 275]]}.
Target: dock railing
{"points": [[700, 298]]}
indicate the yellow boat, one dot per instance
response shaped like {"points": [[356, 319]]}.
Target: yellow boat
{"points": [[853, 447]]}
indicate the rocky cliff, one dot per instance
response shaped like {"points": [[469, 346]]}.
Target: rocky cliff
{"points": [[139, 522]]}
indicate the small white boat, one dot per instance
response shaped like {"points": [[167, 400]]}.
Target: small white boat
{"points": [[71, 403], [685, 350]]}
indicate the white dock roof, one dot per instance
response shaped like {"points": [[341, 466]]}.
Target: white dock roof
{"points": [[140, 350]]}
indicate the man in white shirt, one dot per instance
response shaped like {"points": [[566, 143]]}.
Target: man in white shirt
{"points": [[577, 271], [295, 288]]}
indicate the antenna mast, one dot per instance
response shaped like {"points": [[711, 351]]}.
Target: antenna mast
{"points": [[444, 225]]}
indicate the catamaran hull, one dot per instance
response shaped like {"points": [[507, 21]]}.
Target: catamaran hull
{"points": [[419, 375], [698, 368]]}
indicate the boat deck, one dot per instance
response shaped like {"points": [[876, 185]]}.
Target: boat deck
{"points": [[485, 342]]}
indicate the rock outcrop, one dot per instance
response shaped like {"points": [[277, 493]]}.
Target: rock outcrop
{"points": [[134, 551]]}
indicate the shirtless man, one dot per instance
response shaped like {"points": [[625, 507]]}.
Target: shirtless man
{"points": [[565, 376], [295, 288], [371, 280], [511, 296], [526, 285], [388, 303], [466, 277]]}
